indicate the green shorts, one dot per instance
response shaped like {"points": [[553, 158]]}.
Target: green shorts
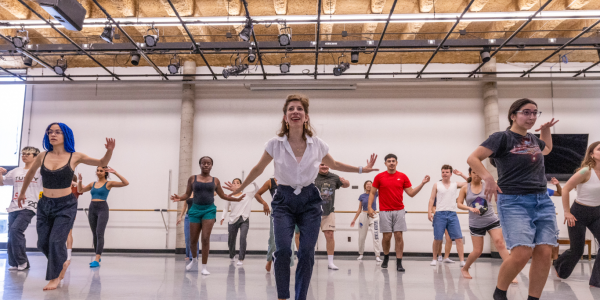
{"points": [[197, 212]]}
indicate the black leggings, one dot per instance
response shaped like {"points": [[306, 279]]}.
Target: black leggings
{"points": [[98, 217], [587, 217]]}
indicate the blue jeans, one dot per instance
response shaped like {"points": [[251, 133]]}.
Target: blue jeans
{"points": [[186, 232], [55, 217], [528, 220], [443, 220], [289, 210]]}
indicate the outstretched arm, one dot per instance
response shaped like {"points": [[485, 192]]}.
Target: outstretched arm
{"points": [[188, 191], [28, 177], [339, 166], [459, 173], [103, 162], [80, 188], [414, 191], [264, 161], [222, 194]]}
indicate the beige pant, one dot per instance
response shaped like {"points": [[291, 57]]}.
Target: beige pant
{"points": [[366, 223]]}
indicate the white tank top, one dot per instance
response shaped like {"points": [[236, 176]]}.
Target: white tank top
{"points": [[446, 197], [589, 193]]}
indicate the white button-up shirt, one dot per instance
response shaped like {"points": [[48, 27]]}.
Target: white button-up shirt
{"points": [[241, 208], [287, 169]]}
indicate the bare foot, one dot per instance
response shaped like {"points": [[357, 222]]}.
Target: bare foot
{"points": [[64, 270], [465, 273], [268, 266], [52, 285]]}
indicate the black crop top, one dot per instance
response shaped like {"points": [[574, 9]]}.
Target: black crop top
{"points": [[60, 178]]}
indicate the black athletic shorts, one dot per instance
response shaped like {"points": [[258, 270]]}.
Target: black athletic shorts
{"points": [[482, 231]]}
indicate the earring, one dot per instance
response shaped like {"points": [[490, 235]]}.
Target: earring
{"points": [[305, 125], [287, 125]]}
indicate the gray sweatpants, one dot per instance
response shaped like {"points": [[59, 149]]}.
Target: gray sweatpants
{"points": [[17, 224], [243, 226]]}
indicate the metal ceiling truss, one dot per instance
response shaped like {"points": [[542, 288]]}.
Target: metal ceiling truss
{"points": [[262, 68], [318, 38], [381, 38]]}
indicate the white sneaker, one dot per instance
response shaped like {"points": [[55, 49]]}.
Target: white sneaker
{"points": [[205, 272], [462, 263], [332, 267], [448, 261], [377, 259], [433, 263], [13, 268], [192, 266], [23, 267], [440, 258], [233, 258], [359, 257], [240, 262]]}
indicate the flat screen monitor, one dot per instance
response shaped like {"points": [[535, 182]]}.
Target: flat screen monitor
{"points": [[566, 156]]}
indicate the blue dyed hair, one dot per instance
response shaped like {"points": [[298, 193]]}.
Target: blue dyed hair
{"points": [[69, 139]]}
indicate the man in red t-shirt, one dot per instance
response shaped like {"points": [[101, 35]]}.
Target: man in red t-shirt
{"points": [[391, 186]]}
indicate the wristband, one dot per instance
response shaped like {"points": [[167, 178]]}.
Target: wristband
{"points": [[360, 170]]}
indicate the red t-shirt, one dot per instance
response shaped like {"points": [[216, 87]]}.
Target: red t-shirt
{"points": [[391, 190], [74, 191]]}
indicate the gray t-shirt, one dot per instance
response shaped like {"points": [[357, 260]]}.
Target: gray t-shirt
{"points": [[327, 184], [487, 215]]}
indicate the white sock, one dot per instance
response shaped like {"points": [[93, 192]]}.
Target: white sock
{"points": [[69, 254], [204, 270], [330, 259]]}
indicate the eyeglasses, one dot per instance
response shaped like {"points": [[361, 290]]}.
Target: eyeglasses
{"points": [[25, 154], [528, 113], [57, 132]]}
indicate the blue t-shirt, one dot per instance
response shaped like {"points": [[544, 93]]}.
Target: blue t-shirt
{"points": [[550, 192], [364, 199]]}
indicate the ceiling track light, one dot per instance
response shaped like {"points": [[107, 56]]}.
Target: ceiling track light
{"points": [[285, 36], [485, 54], [61, 66], [135, 58], [341, 67], [174, 65], [354, 56], [151, 39], [284, 67], [21, 41], [108, 34], [251, 55], [246, 33], [27, 61], [235, 69]]}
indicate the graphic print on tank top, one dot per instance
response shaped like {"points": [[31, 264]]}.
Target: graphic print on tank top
{"points": [[527, 146], [481, 204]]}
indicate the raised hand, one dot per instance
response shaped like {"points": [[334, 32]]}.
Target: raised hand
{"points": [[175, 198], [457, 172], [228, 186], [110, 170], [547, 125], [370, 163], [79, 177], [426, 179], [110, 144], [2, 170], [554, 181]]}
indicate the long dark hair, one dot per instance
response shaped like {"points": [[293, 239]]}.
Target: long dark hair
{"points": [[470, 179], [516, 106]]}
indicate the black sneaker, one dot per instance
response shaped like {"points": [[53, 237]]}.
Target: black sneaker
{"points": [[400, 268], [384, 264]]}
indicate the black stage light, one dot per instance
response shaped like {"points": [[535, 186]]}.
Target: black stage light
{"points": [[108, 34], [21, 41], [246, 33], [70, 13], [485, 54], [284, 39], [174, 65], [284, 67], [251, 55], [135, 59], [234, 70], [341, 68], [354, 56], [61, 66], [151, 39], [27, 61]]}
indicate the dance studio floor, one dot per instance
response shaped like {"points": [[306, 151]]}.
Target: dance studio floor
{"points": [[162, 276]]}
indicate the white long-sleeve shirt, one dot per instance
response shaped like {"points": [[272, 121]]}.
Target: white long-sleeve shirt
{"points": [[241, 208], [33, 193]]}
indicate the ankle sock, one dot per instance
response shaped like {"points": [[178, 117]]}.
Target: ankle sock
{"points": [[386, 257], [330, 259], [69, 254], [499, 294], [399, 261], [532, 298]]}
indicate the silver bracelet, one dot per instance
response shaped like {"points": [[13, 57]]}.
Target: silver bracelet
{"points": [[359, 170]]}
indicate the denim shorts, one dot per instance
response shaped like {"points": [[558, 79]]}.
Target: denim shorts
{"points": [[198, 212], [443, 220], [528, 220]]}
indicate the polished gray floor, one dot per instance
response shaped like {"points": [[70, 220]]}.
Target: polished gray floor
{"points": [[138, 276]]}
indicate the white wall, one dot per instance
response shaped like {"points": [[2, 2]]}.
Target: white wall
{"points": [[426, 125]]}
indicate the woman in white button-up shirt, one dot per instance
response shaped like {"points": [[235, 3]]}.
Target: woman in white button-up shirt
{"points": [[297, 154]]}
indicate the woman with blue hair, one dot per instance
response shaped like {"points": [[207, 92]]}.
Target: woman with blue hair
{"points": [[57, 208]]}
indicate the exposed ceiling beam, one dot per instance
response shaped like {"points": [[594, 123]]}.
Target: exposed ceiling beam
{"points": [[194, 44], [139, 50], [69, 39], [11, 73], [368, 29], [561, 47], [326, 28], [318, 38], [445, 38], [586, 69], [262, 68], [505, 42], [381, 38]]}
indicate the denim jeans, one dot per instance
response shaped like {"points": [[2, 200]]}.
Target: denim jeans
{"points": [[528, 220], [16, 248], [186, 232], [443, 220], [55, 217]]}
